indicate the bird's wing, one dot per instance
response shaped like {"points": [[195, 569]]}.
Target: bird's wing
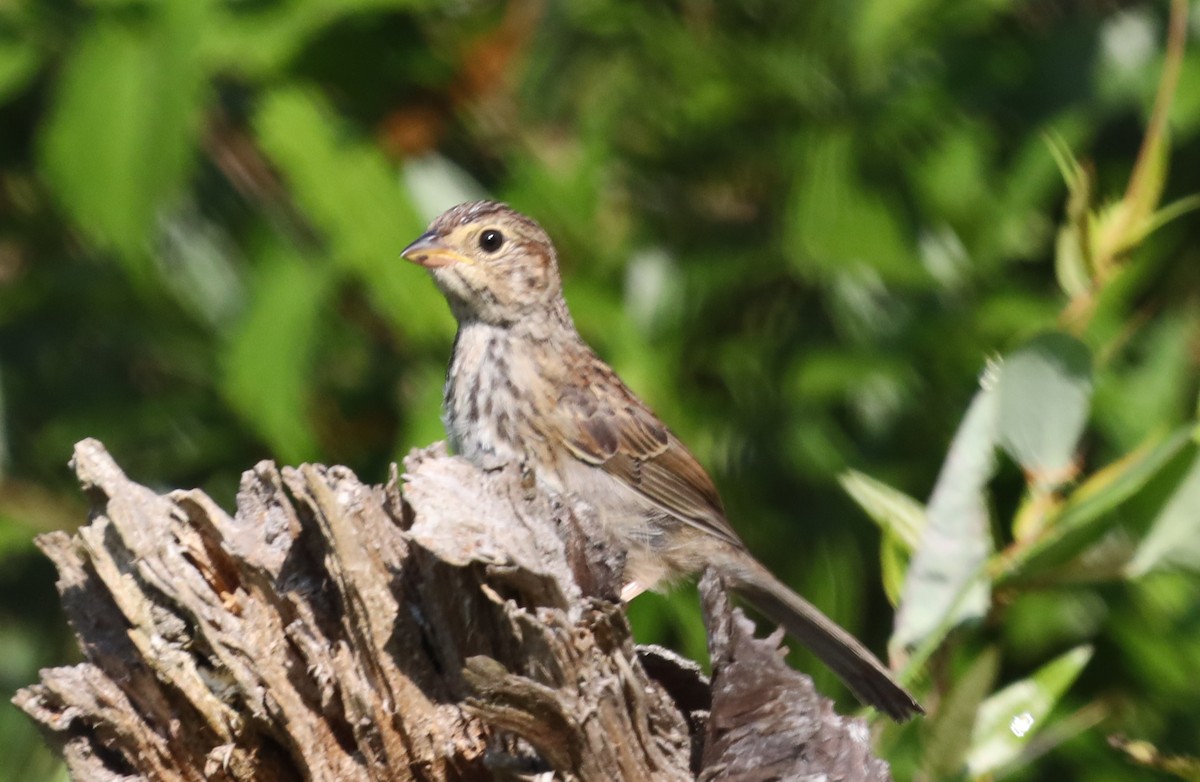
{"points": [[604, 424]]}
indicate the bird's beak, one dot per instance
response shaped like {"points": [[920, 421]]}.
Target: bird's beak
{"points": [[428, 251]]}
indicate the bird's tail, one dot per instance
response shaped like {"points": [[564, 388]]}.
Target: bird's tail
{"points": [[854, 664]]}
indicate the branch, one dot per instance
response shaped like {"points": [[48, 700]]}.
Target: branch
{"points": [[456, 626]]}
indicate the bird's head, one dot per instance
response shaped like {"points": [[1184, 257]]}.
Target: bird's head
{"points": [[493, 264]]}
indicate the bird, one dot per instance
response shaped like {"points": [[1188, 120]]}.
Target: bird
{"points": [[524, 388]]}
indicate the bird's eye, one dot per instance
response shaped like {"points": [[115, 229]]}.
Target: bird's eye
{"points": [[490, 240]]}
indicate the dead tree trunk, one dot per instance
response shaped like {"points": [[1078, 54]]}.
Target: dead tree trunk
{"points": [[451, 625]]}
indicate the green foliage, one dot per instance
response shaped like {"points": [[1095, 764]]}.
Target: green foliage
{"points": [[122, 133], [1043, 395], [943, 586], [268, 365], [800, 230], [1008, 720]]}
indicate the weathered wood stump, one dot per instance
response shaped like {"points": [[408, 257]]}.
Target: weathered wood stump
{"points": [[450, 625]]}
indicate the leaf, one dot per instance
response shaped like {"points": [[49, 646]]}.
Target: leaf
{"points": [[1174, 536], [893, 565], [1070, 265], [1153, 385], [1165, 215], [19, 61], [837, 223], [354, 197], [1043, 398], [944, 586], [1076, 176], [894, 511], [1121, 226], [1074, 251], [1008, 720], [15, 538], [120, 138], [949, 731], [1086, 514], [268, 363]]}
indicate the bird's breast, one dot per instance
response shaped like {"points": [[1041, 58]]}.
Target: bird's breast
{"points": [[489, 396]]}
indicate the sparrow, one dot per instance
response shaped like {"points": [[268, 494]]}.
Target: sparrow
{"points": [[524, 388]]}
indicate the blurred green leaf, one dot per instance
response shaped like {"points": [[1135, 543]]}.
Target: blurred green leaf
{"points": [[268, 365], [838, 223], [1070, 265], [120, 137], [1150, 386], [1074, 248], [674, 619], [19, 61], [27, 758], [893, 561], [1168, 213], [353, 195], [1043, 396], [15, 538], [894, 511], [881, 27], [1161, 605], [1086, 514], [1121, 226], [1009, 720], [1040, 623], [945, 585], [948, 731], [1174, 537], [956, 174]]}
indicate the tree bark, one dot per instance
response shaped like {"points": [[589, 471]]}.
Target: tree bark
{"points": [[453, 624]]}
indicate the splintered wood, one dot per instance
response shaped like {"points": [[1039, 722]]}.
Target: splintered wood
{"points": [[450, 625]]}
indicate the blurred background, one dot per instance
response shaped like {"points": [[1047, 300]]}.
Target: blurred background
{"points": [[800, 230]]}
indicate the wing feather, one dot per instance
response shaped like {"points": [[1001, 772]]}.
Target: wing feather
{"points": [[604, 424]]}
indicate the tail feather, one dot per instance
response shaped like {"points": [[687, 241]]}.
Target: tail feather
{"points": [[854, 664]]}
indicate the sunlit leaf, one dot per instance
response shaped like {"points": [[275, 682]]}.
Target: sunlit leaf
{"points": [[120, 137], [1174, 537], [1074, 248], [894, 511], [354, 196], [893, 563], [1043, 398], [1086, 514], [944, 586], [1008, 720], [1168, 213], [1124, 224], [1070, 266], [839, 223], [1072, 172], [269, 362]]}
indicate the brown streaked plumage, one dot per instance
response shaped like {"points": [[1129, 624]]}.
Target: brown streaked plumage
{"points": [[523, 387]]}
